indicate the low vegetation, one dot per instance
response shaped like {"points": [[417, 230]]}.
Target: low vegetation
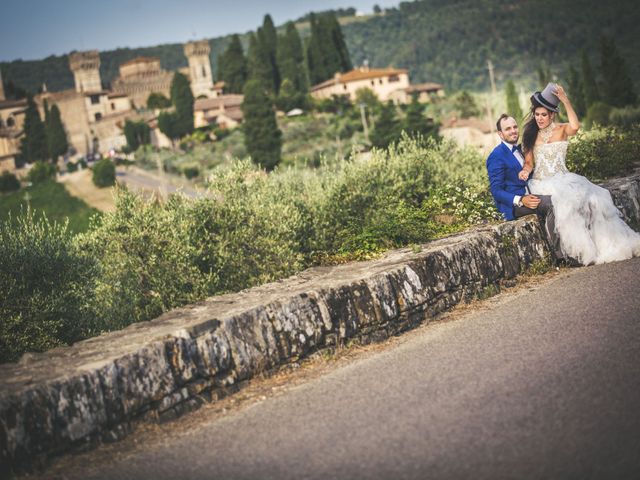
{"points": [[254, 227]]}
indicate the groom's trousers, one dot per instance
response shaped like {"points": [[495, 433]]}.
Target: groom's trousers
{"points": [[547, 219]]}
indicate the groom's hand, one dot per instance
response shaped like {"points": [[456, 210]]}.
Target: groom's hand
{"points": [[524, 174], [531, 201]]}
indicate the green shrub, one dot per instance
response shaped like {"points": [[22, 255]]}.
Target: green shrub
{"points": [[104, 173], [598, 114], [147, 262], [9, 182], [47, 287], [604, 152], [625, 117], [41, 172], [191, 171], [72, 167]]}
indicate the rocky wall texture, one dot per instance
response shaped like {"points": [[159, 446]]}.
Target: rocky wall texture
{"points": [[626, 195], [97, 389]]}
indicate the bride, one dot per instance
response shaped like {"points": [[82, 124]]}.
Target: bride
{"points": [[588, 224]]}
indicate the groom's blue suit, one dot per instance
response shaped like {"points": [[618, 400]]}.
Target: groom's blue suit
{"points": [[503, 168]]}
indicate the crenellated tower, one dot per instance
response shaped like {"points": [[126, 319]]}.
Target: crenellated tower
{"points": [[86, 70], [197, 54], [2, 97]]}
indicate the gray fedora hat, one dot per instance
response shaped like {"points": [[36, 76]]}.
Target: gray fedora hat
{"points": [[547, 98]]}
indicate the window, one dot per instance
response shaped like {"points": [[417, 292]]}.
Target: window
{"points": [[380, 81], [204, 73], [113, 106], [10, 122], [394, 78], [95, 99], [98, 116], [344, 86], [373, 83]]}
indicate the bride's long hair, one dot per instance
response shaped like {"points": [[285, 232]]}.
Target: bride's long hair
{"points": [[530, 130]]}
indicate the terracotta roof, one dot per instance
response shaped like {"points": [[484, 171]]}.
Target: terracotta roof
{"points": [[213, 103], [140, 60], [116, 95], [359, 74], [424, 87], [472, 122], [13, 103]]}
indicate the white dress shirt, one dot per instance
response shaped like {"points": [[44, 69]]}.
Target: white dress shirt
{"points": [[520, 158]]}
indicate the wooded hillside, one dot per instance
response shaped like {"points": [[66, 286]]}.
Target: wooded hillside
{"points": [[446, 41]]}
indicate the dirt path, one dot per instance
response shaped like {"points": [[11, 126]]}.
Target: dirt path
{"points": [[79, 184]]}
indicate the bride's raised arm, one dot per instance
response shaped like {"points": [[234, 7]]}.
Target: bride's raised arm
{"points": [[573, 126], [527, 168]]}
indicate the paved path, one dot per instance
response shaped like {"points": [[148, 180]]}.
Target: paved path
{"points": [[541, 383], [141, 180]]}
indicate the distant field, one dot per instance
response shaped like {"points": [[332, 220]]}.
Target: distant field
{"points": [[52, 199]]}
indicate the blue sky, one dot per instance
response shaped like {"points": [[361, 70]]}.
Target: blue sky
{"points": [[34, 29]]}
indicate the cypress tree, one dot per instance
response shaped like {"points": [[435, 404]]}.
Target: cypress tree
{"points": [[270, 46], [576, 92], [327, 51], [589, 85], [386, 130], [416, 123], [182, 99], [290, 59], [513, 103], [157, 100], [262, 136], [544, 75], [618, 87], [260, 68], [315, 55], [289, 98], [137, 133], [338, 43], [232, 67], [56, 136], [33, 146]]}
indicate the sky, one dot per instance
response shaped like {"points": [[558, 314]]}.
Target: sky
{"points": [[35, 29]]}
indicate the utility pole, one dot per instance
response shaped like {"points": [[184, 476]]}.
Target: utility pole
{"points": [[364, 122], [493, 93]]}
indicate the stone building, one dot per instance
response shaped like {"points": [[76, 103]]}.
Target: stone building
{"points": [[93, 118], [140, 77], [381, 81], [200, 75], [224, 111], [11, 125], [385, 83]]}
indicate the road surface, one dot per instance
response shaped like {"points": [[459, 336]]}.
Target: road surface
{"points": [[539, 383]]}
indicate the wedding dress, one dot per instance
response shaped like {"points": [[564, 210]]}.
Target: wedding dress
{"points": [[589, 225]]}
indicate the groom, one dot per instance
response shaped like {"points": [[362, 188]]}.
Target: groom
{"points": [[511, 195]]}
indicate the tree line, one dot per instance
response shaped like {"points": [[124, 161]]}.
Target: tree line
{"points": [[276, 73]]}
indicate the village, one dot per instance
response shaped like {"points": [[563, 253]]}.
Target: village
{"points": [[94, 118]]}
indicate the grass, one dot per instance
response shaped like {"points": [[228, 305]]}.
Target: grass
{"points": [[53, 200]]}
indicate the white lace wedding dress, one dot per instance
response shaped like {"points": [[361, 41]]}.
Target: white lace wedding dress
{"points": [[589, 225]]}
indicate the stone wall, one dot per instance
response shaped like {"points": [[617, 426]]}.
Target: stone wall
{"points": [[97, 389]]}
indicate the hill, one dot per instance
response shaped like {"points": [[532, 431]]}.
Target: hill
{"points": [[447, 41]]}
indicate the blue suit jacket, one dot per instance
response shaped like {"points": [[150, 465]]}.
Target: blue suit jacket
{"points": [[503, 168]]}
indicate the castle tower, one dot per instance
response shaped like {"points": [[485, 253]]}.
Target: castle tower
{"points": [[86, 70], [2, 97], [199, 67]]}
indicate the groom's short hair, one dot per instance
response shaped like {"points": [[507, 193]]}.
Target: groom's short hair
{"points": [[499, 122]]}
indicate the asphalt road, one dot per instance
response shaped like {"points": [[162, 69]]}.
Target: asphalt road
{"points": [[140, 180], [542, 383]]}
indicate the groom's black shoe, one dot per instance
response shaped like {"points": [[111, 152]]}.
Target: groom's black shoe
{"points": [[568, 262]]}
